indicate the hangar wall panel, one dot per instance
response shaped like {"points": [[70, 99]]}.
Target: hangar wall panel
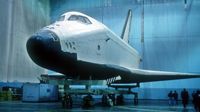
{"points": [[18, 20]]}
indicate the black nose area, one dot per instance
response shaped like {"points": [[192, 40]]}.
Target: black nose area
{"points": [[42, 44], [35, 43], [38, 43], [42, 40], [44, 49]]}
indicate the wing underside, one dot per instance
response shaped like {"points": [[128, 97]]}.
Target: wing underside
{"points": [[140, 75], [147, 76]]}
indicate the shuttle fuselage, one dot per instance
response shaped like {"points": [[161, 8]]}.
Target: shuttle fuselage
{"points": [[80, 47]]}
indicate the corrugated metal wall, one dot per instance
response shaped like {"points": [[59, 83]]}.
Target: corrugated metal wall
{"points": [[18, 20], [171, 32]]}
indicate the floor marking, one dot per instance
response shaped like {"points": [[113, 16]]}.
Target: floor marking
{"points": [[163, 106], [140, 109]]}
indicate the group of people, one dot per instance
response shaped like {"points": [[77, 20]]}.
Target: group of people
{"points": [[67, 101], [88, 101], [173, 98], [109, 100]]}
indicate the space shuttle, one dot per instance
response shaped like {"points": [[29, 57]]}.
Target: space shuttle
{"points": [[83, 48]]}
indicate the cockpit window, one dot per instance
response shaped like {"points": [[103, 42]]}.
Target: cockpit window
{"points": [[62, 18], [80, 19], [73, 18]]}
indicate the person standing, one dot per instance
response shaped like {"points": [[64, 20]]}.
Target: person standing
{"points": [[175, 95], [198, 100], [194, 99], [104, 100], [170, 96], [185, 97], [136, 99]]}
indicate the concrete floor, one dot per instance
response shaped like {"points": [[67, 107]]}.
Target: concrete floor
{"points": [[144, 106]]}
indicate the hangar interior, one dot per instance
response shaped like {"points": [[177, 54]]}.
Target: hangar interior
{"points": [[165, 32]]}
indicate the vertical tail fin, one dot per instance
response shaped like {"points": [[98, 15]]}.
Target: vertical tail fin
{"points": [[127, 26]]}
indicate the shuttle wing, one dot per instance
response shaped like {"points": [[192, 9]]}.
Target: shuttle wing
{"points": [[140, 75], [148, 75]]}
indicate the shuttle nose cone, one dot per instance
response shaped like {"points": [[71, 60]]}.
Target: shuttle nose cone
{"points": [[36, 49], [35, 41], [35, 44], [42, 39], [41, 44]]}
